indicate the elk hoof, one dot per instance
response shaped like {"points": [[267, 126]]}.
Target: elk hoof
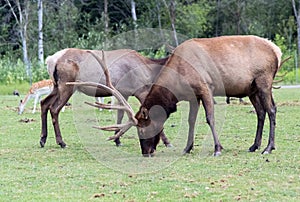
{"points": [[148, 155], [253, 148], [118, 142], [169, 145], [218, 153], [265, 152], [62, 145], [268, 150], [42, 143]]}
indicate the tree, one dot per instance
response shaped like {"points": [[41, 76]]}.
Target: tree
{"points": [[21, 17], [173, 20], [40, 30], [297, 16]]}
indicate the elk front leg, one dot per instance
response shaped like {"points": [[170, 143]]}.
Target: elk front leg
{"points": [[194, 107], [165, 140], [120, 115]]}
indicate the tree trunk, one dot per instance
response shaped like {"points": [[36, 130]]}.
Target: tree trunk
{"points": [[297, 16], [40, 28], [22, 22], [173, 20], [106, 19], [133, 13]]}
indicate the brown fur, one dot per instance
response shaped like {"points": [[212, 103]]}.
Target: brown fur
{"points": [[131, 74], [199, 69]]}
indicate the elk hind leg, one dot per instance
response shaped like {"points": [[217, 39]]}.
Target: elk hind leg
{"points": [[271, 110], [209, 112], [261, 114], [55, 108], [45, 106]]}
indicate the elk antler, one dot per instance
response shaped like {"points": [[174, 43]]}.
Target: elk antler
{"points": [[124, 105], [280, 76]]}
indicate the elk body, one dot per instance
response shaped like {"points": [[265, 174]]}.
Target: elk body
{"points": [[131, 74], [35, 92], [235, 66]]}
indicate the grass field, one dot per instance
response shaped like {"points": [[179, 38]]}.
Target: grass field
{"points": [[92, 169]]}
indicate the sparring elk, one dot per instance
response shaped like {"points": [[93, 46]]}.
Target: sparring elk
{"points": [[131, 73], [198, 69]]}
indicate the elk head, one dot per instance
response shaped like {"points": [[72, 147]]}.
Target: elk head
{"points": [[149, 127], [149, 122]]}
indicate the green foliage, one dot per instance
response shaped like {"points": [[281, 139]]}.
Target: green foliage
{"points": [[282, 43], [92, 40], [159, 53], [192, 19], [14, 73], [81, 24], [292, 77]]}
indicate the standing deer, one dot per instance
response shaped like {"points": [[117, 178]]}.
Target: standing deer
{"points": [[131, 73], [198, 69], [35, 92]]}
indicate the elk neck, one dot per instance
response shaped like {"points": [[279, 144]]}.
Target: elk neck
{"points": [[163, 97]]}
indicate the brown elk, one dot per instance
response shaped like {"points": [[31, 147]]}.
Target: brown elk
{"points": [[131, 73], [198, 69]]}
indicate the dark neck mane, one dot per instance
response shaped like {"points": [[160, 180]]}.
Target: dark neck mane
{"points": [[163, 97]]}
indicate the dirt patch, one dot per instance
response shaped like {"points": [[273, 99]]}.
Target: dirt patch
{"points": [[289, 103], [26, 120]]}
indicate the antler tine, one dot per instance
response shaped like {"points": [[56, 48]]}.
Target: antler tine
{"points": [[115, 93], [110, 88], [104, 67], [107, 76]]}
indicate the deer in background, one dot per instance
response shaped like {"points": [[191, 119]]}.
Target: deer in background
{"points": [[40, 88], [35, 92]]}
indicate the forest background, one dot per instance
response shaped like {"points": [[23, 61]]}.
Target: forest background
{"points": [[30, 30]]}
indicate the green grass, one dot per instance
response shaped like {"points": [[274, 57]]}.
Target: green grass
{"points": [[92, 169]]}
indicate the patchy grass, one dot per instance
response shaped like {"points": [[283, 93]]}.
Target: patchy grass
{"points": [[92, 169]]}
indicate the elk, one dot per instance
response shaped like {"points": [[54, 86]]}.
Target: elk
{"points": [[131, 73], [197, 70], [35, 92]]}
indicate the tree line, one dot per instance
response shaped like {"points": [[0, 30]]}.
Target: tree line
{"points": [[32, 29]]}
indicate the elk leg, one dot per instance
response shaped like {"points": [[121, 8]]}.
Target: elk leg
{"points": [[271, 110], [120, 115], [55, 108], [194, 107], [165, 140], [209, 112], [261, 114], [45, 106]]}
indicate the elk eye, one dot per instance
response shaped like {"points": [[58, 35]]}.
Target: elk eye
{"points": [[145, 113]]}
